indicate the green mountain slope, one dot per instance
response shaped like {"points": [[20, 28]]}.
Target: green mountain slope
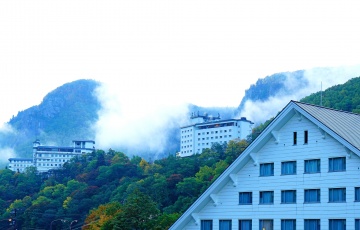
{"points": [[66, 113], [342, 97]]}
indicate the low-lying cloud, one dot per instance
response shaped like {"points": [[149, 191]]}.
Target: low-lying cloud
{"points": [[138, 122], [143, 120], [318, 78], [6, 128]]}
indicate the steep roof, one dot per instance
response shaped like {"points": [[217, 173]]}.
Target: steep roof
{"points": [[342, 126], [345, 124]]}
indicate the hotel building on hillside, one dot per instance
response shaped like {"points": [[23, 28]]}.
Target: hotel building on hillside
{"points": [[47, 157], [20, 164], [53, 157], [302, 172], [206, 130]]}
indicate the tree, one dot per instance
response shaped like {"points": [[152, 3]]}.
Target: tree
{"points": [[100, 216], [234, 149], [139, 212]]}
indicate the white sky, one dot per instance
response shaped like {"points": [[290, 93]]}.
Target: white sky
{"points": [[200, 51]]}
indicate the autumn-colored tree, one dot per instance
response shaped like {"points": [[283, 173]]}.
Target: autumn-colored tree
{"points": [[139, 212], [99, 217]]}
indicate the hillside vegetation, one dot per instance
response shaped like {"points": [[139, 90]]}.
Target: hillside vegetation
{"points": [[65, 114], [344, 97], [110, 190]]}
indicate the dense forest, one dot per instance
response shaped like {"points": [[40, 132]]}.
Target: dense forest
{"points": [[109, 190], [344, 97]]}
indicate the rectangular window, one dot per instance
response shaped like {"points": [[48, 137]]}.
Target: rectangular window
{"points": [[245, 197], [312, 166], [337, 164], [311, 224], [337, 195], [288, 168], [267, 169], [357, 193], [224, 224], [312, 196], [294, 138], [337, 224], [266, 224], [288, 196], [245, 224], [288, 224], [206, 225], [306, 137], [357, 224], [267, 197]]}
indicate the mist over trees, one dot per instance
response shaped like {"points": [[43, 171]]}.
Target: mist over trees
{"points": [[110, 189]]}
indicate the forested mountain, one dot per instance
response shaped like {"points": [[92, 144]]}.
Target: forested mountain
{"points": [[65, 114], [70, 112], [342, 97], [111, 190], [274, 85]]}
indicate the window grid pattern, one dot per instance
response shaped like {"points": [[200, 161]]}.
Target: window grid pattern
{"points": [[337, 224], [337, 195], [288, 196], [225, 224], [288, 168], [312, 196], [266, 224], [245, 198], [311, 224], [267, 169], [288, 224], [357, 194], [267, 197], [337, 164], [245, 224], [206, 225], [312, 166]]}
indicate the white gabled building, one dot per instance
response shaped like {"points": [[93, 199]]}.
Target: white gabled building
{"points": [[302, 172], [53, 157], [205, 130]]}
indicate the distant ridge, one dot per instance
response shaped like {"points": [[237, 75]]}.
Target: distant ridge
{"points": [[273, 85], [71, 110], [65, 113]]}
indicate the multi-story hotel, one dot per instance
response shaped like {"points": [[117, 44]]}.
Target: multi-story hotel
{"points": [[47, 157], [53, 157], [206, 130], [302, 172], [20, 164]]}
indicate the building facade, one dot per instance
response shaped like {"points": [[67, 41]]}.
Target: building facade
{"points": [[302, 172], [205, 130], [47, 157], [20, 164]]}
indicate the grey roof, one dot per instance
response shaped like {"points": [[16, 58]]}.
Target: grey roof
{"points": [[20, 159], [341, 125], [217, 121], [84, 141], [344, 124]]}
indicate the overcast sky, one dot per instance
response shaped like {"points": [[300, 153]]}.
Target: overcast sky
{"points": [[200, 51]]}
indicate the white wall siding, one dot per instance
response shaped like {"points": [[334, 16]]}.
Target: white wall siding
{"points": [[248, 180]]}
